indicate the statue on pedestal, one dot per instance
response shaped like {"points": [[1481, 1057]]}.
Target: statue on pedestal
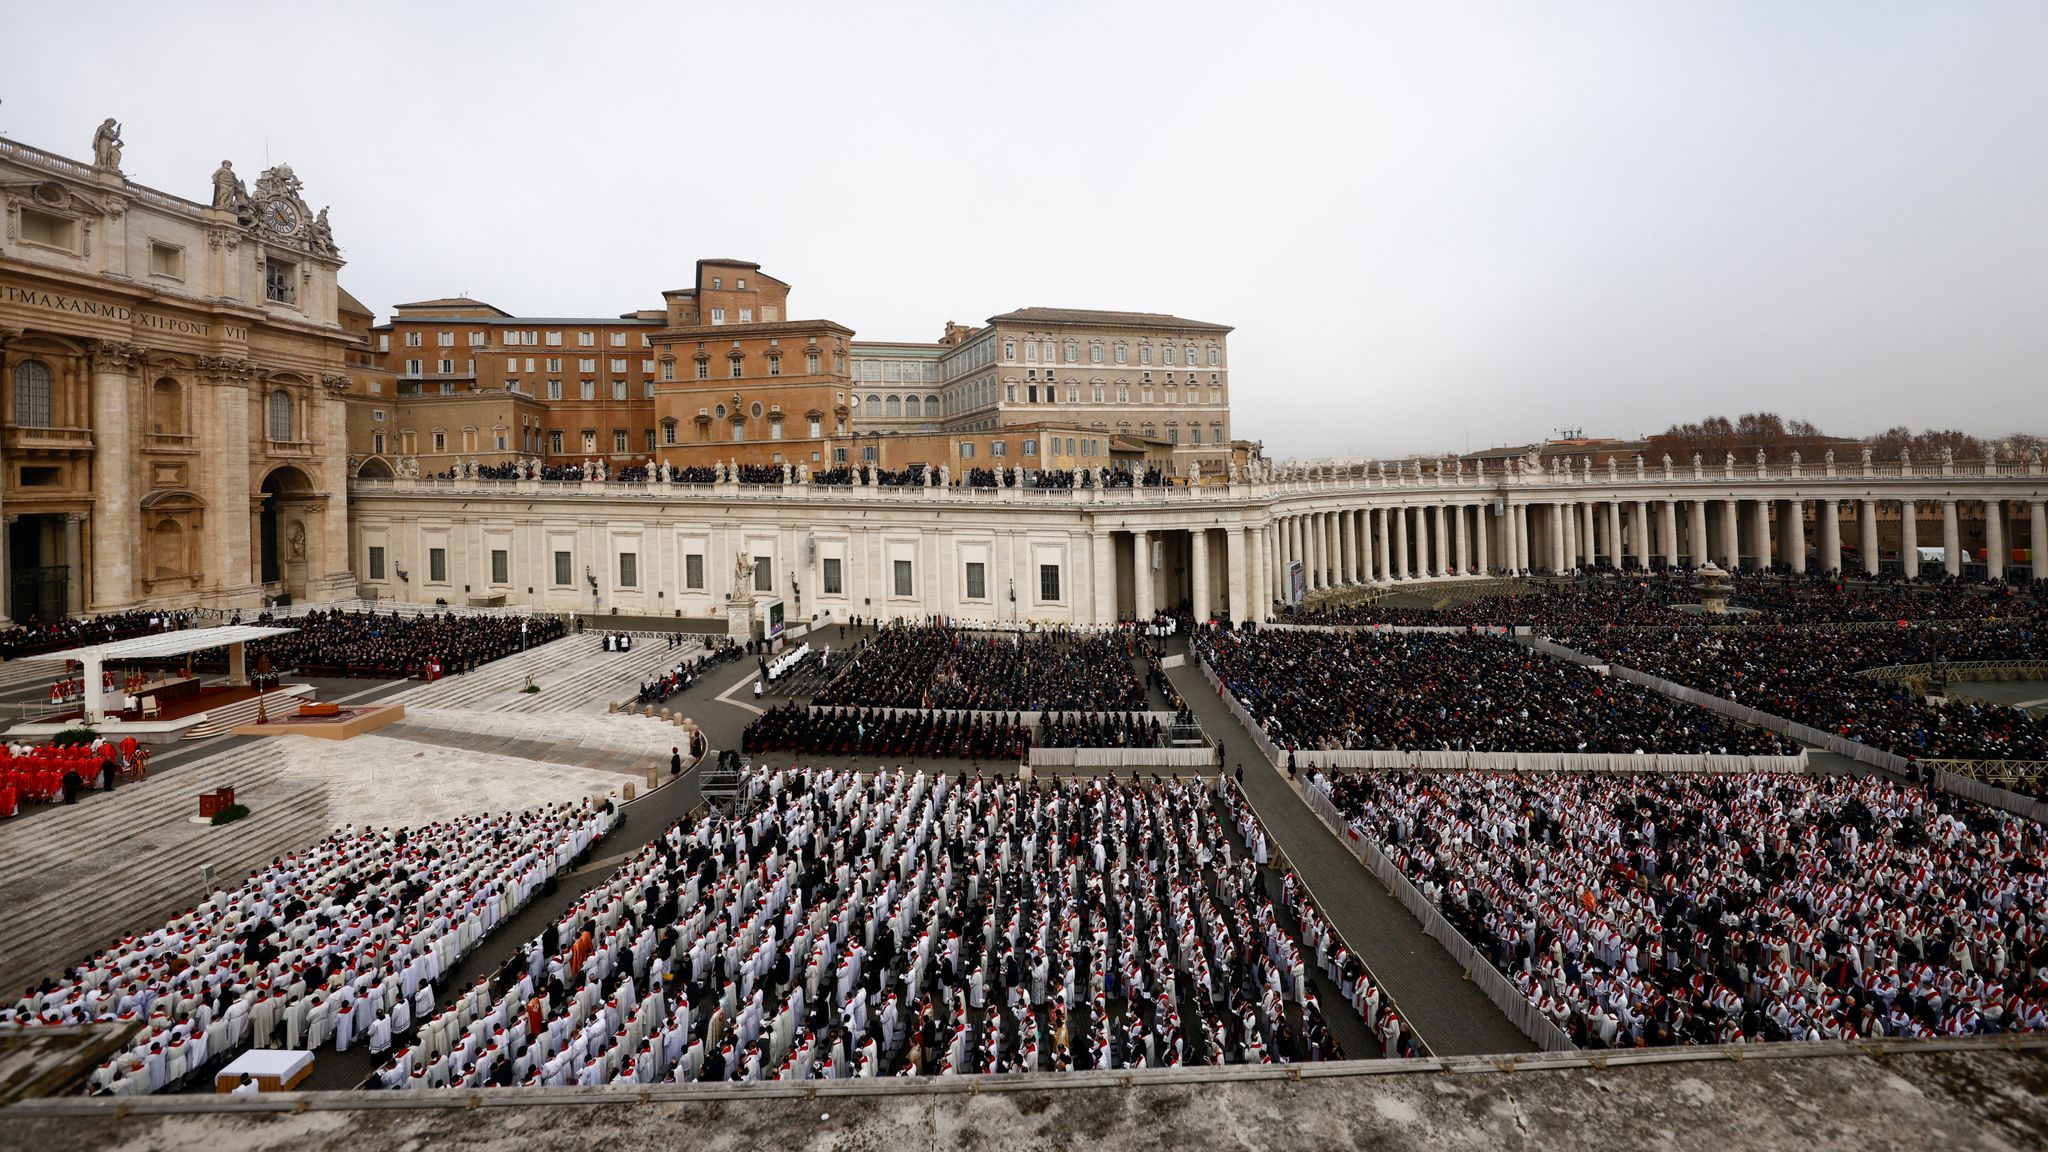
{"points": [[106, 146], [1948, 456], [1866, 457]]}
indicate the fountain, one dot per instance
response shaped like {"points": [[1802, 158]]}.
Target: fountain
{"points": [[1713, 589]]}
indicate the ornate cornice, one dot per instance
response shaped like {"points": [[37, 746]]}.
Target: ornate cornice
{"points": [[227, 369], [337, 383]]}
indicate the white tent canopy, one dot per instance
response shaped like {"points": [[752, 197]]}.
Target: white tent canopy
{"points": [[93, 657]]}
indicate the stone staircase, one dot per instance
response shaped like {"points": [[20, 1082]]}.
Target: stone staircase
{"points": [[228, 716], [76, 878], [574, 674]]}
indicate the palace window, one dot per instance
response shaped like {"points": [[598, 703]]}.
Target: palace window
{"points": [[501, 566], [904, 586], [278, 276], [166, 260], [629, 569], [764, 574], [281, 416], [735, 365], [835, 580], [437, 565], [1049, 582], [32, 394], [565, 565], [693, 571], [588, 389], [977, 581]]}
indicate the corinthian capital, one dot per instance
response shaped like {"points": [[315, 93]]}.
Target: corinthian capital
{"points": [[335, 382], [116, 355]]}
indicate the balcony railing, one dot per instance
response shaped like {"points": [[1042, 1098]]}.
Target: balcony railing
{"points": [[44, 438]]}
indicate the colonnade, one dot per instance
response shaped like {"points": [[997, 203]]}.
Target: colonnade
{"points": [[1515, 535]]}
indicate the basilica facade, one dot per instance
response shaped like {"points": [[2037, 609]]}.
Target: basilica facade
{"points": [[173, 433]]}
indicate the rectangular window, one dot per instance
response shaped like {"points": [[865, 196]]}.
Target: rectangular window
{"points": [[1049, 582], [588, 389], [501, 566], [554, 363], [629, 569], [445, 367], [437, 565], [668, 369], [668, 432], [903, 582], [586, 339], [586, 364], [618, 389], [618, 364], [412, 339], [834, 578], [564, 565], [554, 339], [817, 427], [618, 339], [280, 281], [376, 561], [647, 367], [693, 570], [165, 260], [554, 389], [649, 437], [746, 315], [977, 581], [618, 439], [764, 574], [555, 442], [718, 315]]}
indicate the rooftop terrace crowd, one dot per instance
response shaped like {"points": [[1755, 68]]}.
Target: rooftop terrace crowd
{"points": [[900, 924], [920, 666], [1453, 691], [1649, 910]]}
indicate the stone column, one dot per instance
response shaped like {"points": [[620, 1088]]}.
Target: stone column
{"points": [[1198, 562], [1909, 539], [1667, 527], [1482, 517], [1589, 536], [1731, 534], [1425, 559], [1400, 569], [1522, 537], [1951, 539], [6, 570], [1795, 534], [1696, 547], [1639, 532], [1141, 573], [1235, 543], [1271, 550], [1615, 548], [1381, 547], [1763, 533], [1554, 558], [1103, 579], [116, 516], [1333, 541], [1319, 548], [1461, 541], [1994, 539], [2037, 538], [74, 558], [1866, 535], [1367, 573], [1830, 514], [1347, 539]]}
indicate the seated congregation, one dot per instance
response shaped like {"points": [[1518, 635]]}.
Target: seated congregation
{"points": [[1411, 691], [905, 924], [1647, 910], [344, 943], [922, 666]]}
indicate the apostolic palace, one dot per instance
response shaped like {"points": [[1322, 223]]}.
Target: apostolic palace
{"points": [[698, 713]]}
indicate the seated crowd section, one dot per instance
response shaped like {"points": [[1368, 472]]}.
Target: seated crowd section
{"points": [[390, 646], [923, 666], [1420, 691], [1648, 910], [343, 943], [886, 732], [899, 924], [34, 638]]}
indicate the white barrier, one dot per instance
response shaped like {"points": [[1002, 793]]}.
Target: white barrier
{"points": [[1123, 758]]}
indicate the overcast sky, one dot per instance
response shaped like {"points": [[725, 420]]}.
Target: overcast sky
{"points": [[1433, 225]]}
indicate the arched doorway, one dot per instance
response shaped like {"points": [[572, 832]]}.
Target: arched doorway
{"points": [[282, 532]]}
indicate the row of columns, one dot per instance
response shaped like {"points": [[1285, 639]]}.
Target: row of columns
{"points": [[1382, 545]]}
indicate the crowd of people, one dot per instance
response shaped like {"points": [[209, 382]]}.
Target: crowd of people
{"points": [[1413, 691], [887, 732], [1098, 730], [390, 646], [659, 689], [58, 774], [923, 666], [1811, 675], [1611, 599], [34, 637], [1650, 910], [900, 924], [344, 943]]}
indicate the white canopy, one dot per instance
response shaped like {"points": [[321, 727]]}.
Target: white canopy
{"points": [[161, 644]]}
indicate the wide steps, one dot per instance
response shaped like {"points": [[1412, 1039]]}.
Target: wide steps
{"points": [[62, 912], [69, 832]]}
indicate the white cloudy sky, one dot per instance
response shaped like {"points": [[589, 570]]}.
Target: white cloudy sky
{"points": [[1432, 224]]}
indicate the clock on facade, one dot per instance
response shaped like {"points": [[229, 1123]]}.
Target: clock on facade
{"points": [[281, 217]]}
